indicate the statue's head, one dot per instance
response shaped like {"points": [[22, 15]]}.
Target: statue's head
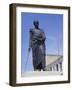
{"points": [[36, 23]]}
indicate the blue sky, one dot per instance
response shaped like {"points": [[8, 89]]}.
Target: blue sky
{"points": [[52, 25]]}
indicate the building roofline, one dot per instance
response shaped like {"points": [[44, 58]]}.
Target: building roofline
{"points": [[56, 60], [53, 55]]}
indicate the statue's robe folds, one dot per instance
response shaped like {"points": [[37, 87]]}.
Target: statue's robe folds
{"points": [[37, 43]]}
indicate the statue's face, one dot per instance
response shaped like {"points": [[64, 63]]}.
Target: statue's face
{"points": [[36, 24]]}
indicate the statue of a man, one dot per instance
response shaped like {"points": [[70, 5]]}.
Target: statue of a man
{"points": [[37, 43]]}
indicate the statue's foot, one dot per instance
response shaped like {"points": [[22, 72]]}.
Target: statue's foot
{"points": [[44, 69]]}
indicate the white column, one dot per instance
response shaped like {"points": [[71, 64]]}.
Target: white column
{"points": [[54, 68]]}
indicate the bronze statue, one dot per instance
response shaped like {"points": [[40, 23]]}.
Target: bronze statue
{"points": [[37, 44]]}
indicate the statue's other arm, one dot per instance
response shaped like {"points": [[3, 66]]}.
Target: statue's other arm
{"points": [[43, 37]]}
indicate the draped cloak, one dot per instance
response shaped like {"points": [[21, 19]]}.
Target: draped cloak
{"points": [[37, 43]]}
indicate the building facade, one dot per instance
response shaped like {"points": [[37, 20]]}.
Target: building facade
{"points": [[54, 63]]}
